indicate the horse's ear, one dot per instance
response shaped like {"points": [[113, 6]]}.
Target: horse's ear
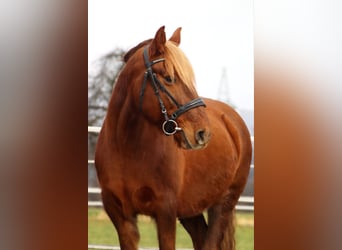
{"points": [[158, 44], [176, 37]]}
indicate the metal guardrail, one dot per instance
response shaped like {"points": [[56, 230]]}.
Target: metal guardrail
{"points": [[94, 129], [106, 247], [243, 199]]}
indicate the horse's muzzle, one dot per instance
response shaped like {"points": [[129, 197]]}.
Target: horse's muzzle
{"points": [[201, 140]]}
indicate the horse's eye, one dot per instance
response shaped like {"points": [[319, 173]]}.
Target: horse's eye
{"points": [[169, 80]]}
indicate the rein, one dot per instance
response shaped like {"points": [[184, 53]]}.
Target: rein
{"points": [[170, 125]]}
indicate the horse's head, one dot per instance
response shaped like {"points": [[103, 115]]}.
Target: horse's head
{"points": [[163, 85]]}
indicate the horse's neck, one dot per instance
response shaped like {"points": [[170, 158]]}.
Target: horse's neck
{"points": [[131, 132]]}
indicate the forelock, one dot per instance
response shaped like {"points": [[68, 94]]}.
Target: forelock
{"points": [[177, 62]]}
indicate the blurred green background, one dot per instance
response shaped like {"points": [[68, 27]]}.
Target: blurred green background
{"points": [[101, 231]]}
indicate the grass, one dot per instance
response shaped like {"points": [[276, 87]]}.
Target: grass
{"points": [[101, 231]]}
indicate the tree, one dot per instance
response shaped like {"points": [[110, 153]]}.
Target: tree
{"points": [[101, 82]]}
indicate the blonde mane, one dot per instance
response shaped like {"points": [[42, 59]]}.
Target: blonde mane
{"points": [[176, 62]]}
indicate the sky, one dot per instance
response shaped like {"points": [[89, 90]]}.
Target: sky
{"points": [[217, 37]]}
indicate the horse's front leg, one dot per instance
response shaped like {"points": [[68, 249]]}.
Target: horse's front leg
{"points": [[166, 224], [126, 225]]}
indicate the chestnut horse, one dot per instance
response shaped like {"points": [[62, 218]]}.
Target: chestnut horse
{"points": [[166, 153]]}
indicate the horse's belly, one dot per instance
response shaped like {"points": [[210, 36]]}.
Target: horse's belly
{"points": [[206, 180], [201, 194], [194, 203]]}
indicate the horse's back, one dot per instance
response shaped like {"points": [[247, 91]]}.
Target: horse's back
{"points": [[223, 166]]}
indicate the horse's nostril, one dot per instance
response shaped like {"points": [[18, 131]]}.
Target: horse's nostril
{"points": [[201, 136]]}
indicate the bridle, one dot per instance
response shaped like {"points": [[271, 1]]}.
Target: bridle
{"points": [[170, 125]]}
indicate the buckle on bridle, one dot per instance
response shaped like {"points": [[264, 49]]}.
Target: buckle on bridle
{"points": [[170, 127]]}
